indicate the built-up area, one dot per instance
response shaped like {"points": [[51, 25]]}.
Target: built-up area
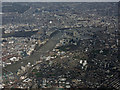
{"points": [[73, 45]]}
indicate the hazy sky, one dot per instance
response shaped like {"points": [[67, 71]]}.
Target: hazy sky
{"points": [[59, 0]]}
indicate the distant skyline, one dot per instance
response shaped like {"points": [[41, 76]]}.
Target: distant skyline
{"points": [[60, 0]]}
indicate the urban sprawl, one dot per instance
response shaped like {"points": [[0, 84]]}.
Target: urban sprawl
{"points": [[60, 45]]}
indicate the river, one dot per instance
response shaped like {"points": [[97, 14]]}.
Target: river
{"points": [[36, 55], [45, 48]]}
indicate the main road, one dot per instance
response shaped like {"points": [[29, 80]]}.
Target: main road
{"points": [[36, 55]]}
